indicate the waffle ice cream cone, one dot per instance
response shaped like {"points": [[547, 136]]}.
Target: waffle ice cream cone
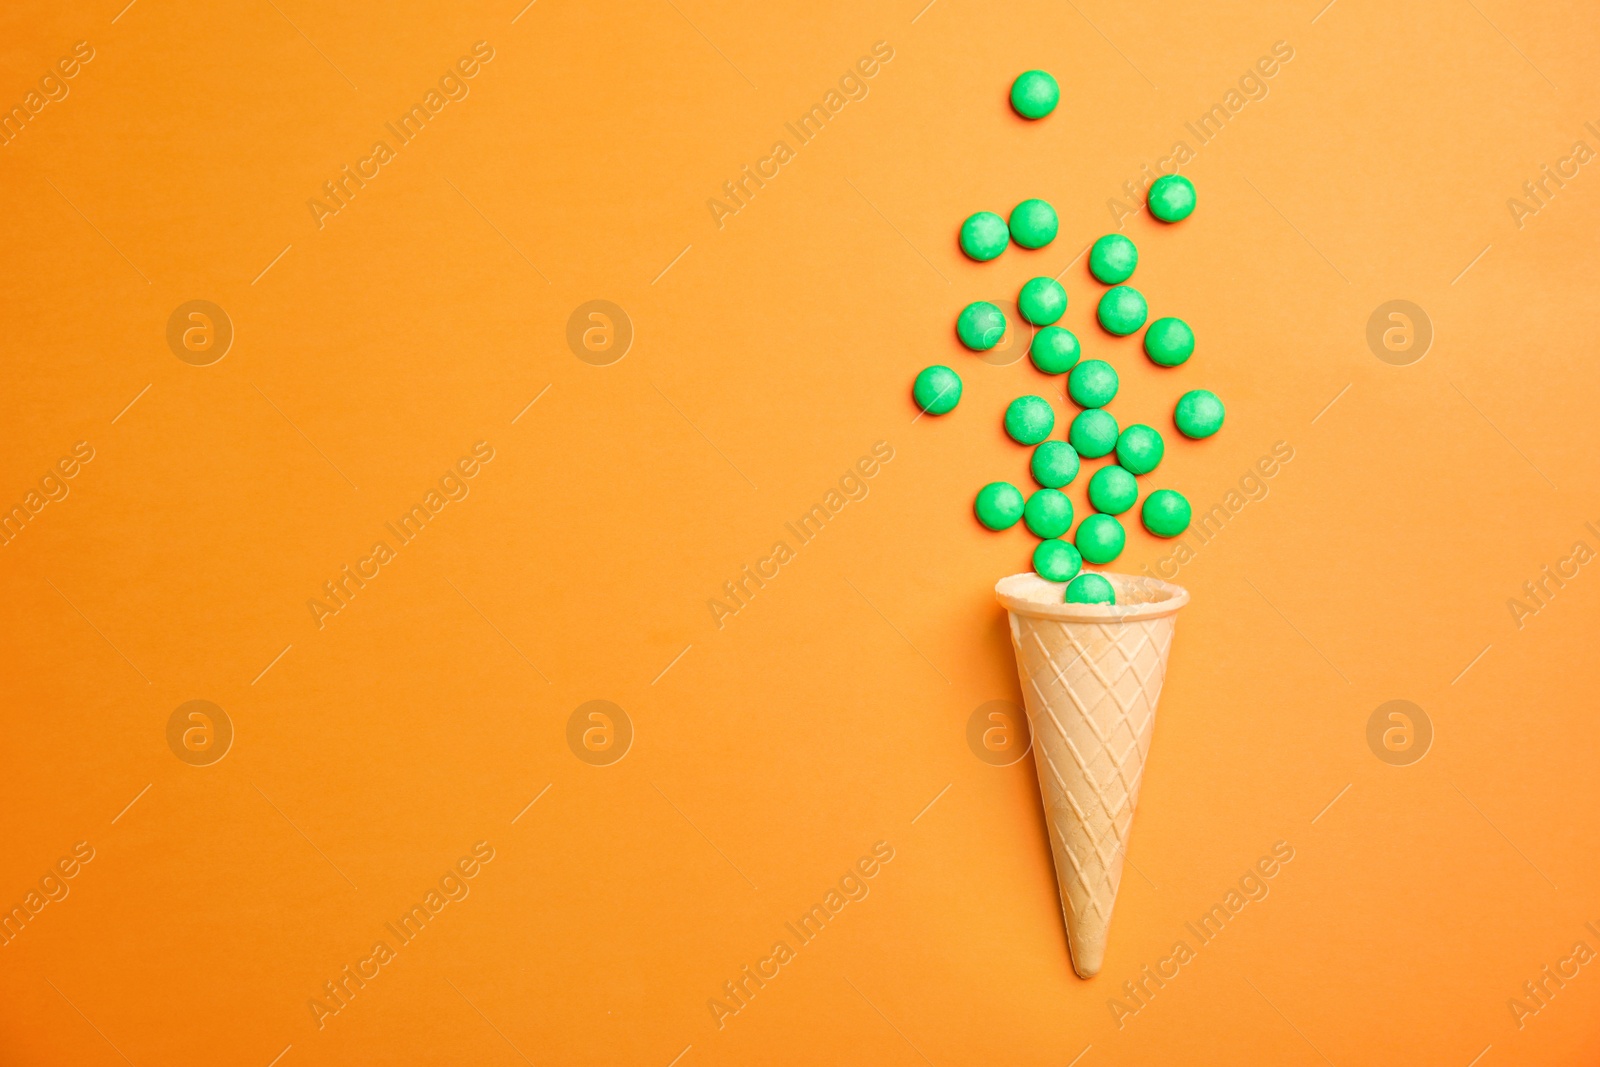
{"points": [[1091, 675]]}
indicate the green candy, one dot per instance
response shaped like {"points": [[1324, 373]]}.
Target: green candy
{"points": [[1199, 413], [1100, 538], [1113, 258], [1165, 513], [1054, 464], [1090, 589], [1169, 342], [1140, 449], [984, 236], [1033, 224], [999, 505], [1048, 513], [1054, 350], [937, 389], [1112, 490], [1029, 419], [1092, 383], [1042, 301], [1172, 198], [1034, 94], [1093, 433], [981, 325], [1056, 561], [1122, 310]]}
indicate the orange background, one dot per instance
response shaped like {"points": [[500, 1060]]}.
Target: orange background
{"points": [[768, 356]]}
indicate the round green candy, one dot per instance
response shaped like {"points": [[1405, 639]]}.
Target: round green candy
{"points": [[1034, 94], [1100, 538], [1042, 301], [1165, 513], [1199, 413], [1112, 490], [1056, 561], [984, 236], [981, 325], [937, 389], [1122, 310], [1092, 383], [1054, 350], [1093, 433], [1140, 449], [1169, 342], [1172, 198], [1033, 224], [1090, 589], [999, 505], [1054, 464], [1029, 419], [1048, 513], [1113, 258]]}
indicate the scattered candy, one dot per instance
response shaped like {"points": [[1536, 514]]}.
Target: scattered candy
{"points": [[1042, 301], [1100, 538], [1113, 258], [1093, 433], [1034, 94], [1112, 490], [1199, 413], [1056, 561], [1172, 198], [999, 505], [1140, 449], [1090, 589], [1048, 513], [1092, 383], [937, 389], [1029, 419], [1033, 224], [1169, 342], [1122, 310], [1054, 464], [1054, 350], [981, 325], [984, 236], [1166, 513]]}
